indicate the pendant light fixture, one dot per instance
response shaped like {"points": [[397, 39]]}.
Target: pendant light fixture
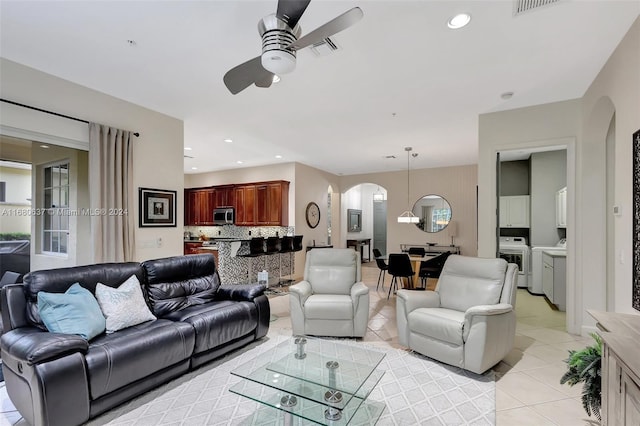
{"points": [[408, 216], [378, 195]]}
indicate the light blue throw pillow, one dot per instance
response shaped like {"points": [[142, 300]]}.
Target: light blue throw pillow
{"points": [[75, 311]]}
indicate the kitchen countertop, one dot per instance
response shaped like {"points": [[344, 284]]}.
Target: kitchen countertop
{"points": [[216, 240]]}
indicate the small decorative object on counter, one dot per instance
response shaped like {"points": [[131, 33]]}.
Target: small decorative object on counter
{"points": [[263, 277]]}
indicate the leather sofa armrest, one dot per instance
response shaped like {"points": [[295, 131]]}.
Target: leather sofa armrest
{"points": [[412, 299], [240, 292], [34, 346], [302, 291]]}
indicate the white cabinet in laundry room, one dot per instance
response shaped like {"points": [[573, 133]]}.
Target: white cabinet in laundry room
{"points": [[514, 211]]}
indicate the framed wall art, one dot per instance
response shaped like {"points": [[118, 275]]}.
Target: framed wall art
{"points": [[157, 208]]}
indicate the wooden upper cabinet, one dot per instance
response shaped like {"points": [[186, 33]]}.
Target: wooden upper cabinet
{"points": [[224, 196], [199, 205], [256, 204], [245, 204], [272, 203]]}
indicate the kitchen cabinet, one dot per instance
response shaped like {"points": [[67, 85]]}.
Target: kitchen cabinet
{"points": [[256, 204], [272, 204], [245, 204], [620, 369], [554, 272], [224, 196], [514, 211], [199, 205], [561, 208], [262, 204], [192, 247]]}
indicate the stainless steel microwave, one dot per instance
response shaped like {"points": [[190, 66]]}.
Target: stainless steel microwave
{"points": [[223, 216]]}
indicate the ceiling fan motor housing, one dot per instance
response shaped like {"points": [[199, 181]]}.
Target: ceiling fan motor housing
{"points": [[276, 36]]}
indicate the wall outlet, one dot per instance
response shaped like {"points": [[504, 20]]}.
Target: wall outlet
{"points": [[159, 242]]}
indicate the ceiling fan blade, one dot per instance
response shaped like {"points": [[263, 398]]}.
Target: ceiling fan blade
{"points": [[290, 11], [244, 75], [332, 27]]}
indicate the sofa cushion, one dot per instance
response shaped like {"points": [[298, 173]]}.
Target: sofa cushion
{"points": [[123, 306], [218, 322], [329, 306], [176, 283], [438, 323], [471, 281], [59, 280], [75, 311], [119, 359]]}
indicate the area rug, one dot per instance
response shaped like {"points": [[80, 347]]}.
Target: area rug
{"points": [[416, 391]]}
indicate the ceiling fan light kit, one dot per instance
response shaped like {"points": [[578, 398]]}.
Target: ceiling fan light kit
{"points": [[280, 34]]}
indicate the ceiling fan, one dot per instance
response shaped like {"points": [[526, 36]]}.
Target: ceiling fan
{"points": [[280, 42]]}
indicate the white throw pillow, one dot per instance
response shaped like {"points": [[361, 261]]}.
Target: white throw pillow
{"points": [[123, 306]]}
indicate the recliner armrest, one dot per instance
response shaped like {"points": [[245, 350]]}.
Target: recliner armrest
{"points": [[500, 308], [33, 345], [418, 299], [302, 291], [359, 289], [240, 292]]}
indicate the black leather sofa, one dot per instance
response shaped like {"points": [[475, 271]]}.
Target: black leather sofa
{"points": [[61, 379]]}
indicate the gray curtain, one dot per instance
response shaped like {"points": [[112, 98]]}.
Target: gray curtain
{"points": [[111, 193]]}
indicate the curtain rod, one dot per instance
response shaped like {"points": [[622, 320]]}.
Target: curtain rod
{"points": [[136, 134]]}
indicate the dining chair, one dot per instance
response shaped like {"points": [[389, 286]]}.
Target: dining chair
{"points": [[382, 265], [432, 268], [400, 267]]}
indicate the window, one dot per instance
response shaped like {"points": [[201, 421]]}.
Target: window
{"points": [[3, 192], [55, 224]]}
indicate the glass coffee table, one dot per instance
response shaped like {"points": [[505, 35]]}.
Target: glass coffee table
{"points": [[308, 380]]}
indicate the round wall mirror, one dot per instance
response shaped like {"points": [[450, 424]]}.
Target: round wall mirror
{"points": [[434, 213]]}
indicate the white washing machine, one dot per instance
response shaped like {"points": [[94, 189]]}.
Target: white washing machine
{"points": [[515, 250], [535, 280]]}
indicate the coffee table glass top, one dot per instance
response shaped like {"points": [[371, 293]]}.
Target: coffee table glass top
{"points": [[315, 374]]}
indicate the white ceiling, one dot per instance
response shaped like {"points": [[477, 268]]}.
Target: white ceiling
{"points": [[401, 79]]}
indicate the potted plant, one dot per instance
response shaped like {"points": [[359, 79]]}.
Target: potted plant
{"points": [[585, 366]]}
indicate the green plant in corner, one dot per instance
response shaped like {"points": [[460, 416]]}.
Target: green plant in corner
{"points": [[584, 366]]}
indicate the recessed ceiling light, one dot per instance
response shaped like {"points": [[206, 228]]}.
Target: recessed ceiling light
{"points": [[44, 146], [459, 21], [276, 79], [239, 162], [194, 168], [507, 95], [278, 156], [228, 140], [186, 148]]}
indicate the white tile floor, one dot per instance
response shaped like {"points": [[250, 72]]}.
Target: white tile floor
{"points": [[528, 390]]}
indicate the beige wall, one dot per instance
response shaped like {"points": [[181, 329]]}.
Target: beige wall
{"points": [[617, 85], [456, 184], [284, 171], [158, 151], [582, 124]]}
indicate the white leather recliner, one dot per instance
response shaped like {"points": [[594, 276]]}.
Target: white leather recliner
{"points": [[331, 300], [469, 320]]}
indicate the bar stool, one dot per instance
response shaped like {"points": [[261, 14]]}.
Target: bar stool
{"points": [[256, 249], [286, 246]]}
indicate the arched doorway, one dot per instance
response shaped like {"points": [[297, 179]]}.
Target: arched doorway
{"points": [[370, 201]]}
